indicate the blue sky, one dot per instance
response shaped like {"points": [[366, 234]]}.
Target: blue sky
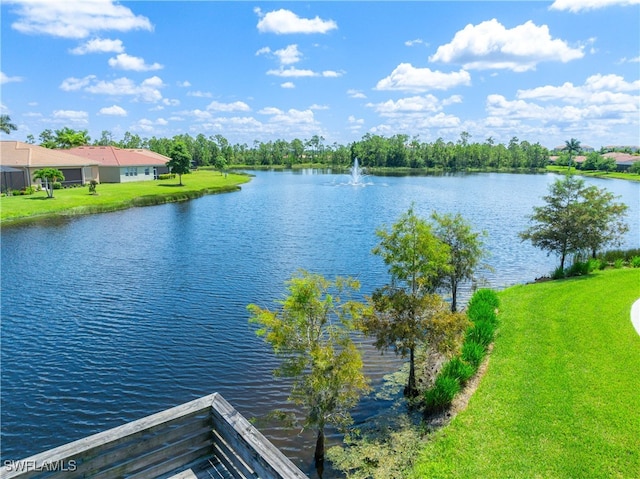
{"points": [[540, 71]]}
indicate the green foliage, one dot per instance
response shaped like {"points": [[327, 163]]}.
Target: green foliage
{"points": [[466, 249], [6, 126], [485, 296], [481, 332], [49, 177], [415, 257], [180, 161], [473, 353], [166, 176], [575, 219], [558, 273], [619, 263], [482, 312], [407, 312], [439, 397], [92, 186], [458, 369], [635, 262], [635, 168], [310, 332]]}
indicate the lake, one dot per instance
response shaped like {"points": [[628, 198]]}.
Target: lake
{"points": [[111, 317]]}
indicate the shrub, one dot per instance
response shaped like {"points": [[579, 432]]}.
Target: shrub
{"points": [[558, 273], [481, 311], [619, 263], [487, 296], [579, 268], [167, 176], [635, 262], [456, 368], [57, 185], [481, 333], [473, 353], [439, 397]]}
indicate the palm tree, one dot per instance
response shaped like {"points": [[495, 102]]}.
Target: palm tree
{"points": [[5, 124], [572, 146]]}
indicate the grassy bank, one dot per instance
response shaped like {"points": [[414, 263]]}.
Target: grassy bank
{"points": [[618, 175], [115, 196], [560, 397]]}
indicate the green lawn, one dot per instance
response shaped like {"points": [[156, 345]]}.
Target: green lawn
{"points": [[115, 196], [561, 397], [596, 174]]}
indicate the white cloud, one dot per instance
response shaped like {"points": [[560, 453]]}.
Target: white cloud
{"points": [[184, 84], [199, 94], [290, 117], [286, 56], [73, 84], [99, 45], [355, 93], [114, 110], [75, 19], [74, 116], [576, 6], [292, 72], [285, 21], [603, 101], [417, 41], [288, 85], [124, 61], [489, 45], [315, 106], [413, 105], [629, 60], [406, 77], [331, 74], [170, 102], [227, 107], [148, 90], [7, 79]]}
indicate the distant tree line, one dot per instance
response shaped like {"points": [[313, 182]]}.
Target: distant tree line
{"points": [[372, 151]]}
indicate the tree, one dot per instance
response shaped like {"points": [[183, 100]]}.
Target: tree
{"points": [[575, 219], [49, 176], [5, 124], [416, 260], [603, 220], [69, 138], [310, 332], [466, 250], [180, 161], [635, 168], [572, 147]]}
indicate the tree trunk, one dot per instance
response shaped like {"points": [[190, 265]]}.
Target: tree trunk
{"points": [[454, 296], [411, 390], [319, 454]]}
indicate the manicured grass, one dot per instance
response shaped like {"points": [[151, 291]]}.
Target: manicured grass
{"points": [[595, 174], [116, 196], [561, 397]]}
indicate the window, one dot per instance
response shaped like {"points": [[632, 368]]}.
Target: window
{"points": [[146, 171]]}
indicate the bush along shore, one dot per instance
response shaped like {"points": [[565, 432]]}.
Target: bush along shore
{"points": [[106, 197]]}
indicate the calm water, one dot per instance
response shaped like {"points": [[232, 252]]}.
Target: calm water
{"points": [[112, 317]]}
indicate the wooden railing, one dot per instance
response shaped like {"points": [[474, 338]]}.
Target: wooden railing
{"points": [[204, 433]]}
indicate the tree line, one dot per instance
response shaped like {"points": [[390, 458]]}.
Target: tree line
{"points": [[372, 151]]}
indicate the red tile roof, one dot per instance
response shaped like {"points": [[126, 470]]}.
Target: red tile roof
{"points": [[112, 156], [20, 154]]}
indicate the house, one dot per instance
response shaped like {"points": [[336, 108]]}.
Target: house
{"points": [[120, 165], [623, 160], [20, 160]]}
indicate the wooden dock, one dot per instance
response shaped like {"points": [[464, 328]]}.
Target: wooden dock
{"points": [[204, 438]]}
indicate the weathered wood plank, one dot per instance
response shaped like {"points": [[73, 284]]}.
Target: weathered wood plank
{"points": [[188, 474], [250, 444], [196, 433], [231, 459]]}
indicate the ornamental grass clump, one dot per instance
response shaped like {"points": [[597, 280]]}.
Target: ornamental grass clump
{"points": [[482, 313], [439, 397]]}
